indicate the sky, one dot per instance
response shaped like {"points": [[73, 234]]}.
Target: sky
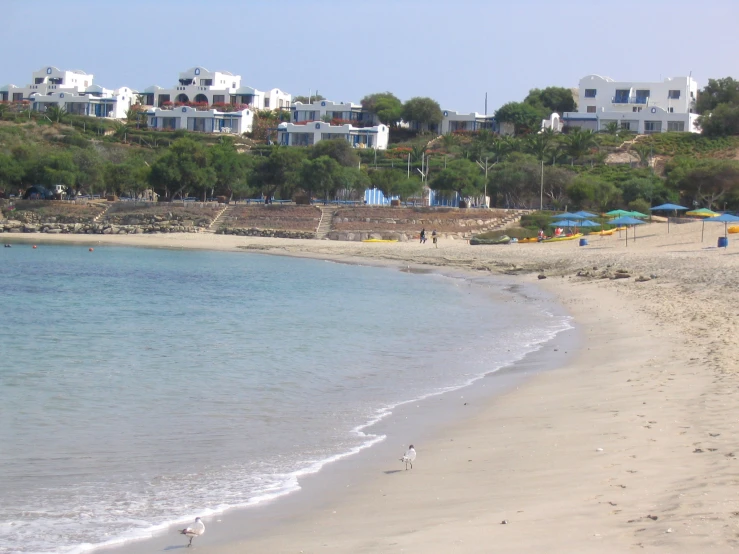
{"points": [[454, 51]]}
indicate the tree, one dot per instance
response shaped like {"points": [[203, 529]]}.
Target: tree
{"points": [[59, 168], [90, 170], [540, 145], [718, 91], [386, 180], [581, 190], [579, 142], [551, 99], [183, 168], [56, 114], [461, 176], [229, 168], [524, 117], [643, 151], [556, 182], [721, 121], [307, 100], [339, 150], [279, 172], [408, 187], [11, 172], [707, 181], [354, 180], [423, 111], [129, 177], [611, 128], [321, 175], [386, 106]]}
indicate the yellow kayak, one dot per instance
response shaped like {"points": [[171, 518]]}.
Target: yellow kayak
{"points": [[609, 232], [527, 240], [559, 239], [734, 229]]}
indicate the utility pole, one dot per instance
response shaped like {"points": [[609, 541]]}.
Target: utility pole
{"points": [[541, 190], [485, 168], [409, 165]]}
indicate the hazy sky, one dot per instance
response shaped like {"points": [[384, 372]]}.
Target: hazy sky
{"points": [[453, 51]]}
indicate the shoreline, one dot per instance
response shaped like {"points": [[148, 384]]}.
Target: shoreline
{"points": [[652, 387], [419, 418]]}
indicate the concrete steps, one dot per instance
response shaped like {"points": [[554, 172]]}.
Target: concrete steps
{"points": [[210, 228], [325, 224], [99, 216]]}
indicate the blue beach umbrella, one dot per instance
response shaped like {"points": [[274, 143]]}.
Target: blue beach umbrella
{"points": [[627, 220], [565, 223], [567, 215], [588, 223], [725, 219], [585, 214], [668, 207]]}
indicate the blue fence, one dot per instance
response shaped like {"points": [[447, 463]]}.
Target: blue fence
{"points": [[450, 200], [375, 197]]}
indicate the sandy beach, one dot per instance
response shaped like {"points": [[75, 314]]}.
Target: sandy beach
{"points": [[630, 446]]}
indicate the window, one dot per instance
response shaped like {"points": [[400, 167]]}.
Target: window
{"points": [[652, 126], [266, 102], [589, 93], [671, 109], [673, 95], [636, 109], [622, 96], [3, 96], [206, 82], [219, 99], [626, 125], [642, 96], [676, 126], [591, 109], [38, 80], [17, 97]]}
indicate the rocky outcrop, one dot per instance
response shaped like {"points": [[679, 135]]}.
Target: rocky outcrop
{"points": [[14, 226], [276, 233]]}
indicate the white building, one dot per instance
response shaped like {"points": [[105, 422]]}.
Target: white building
{"points": [[205, 121], [643, 108], [308, 134], [197, 85], [326, 109], [454, 122], [73, 91]]}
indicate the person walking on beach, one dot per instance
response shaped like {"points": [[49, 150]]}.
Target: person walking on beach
{"points": [[423, 235], [434, 236]]}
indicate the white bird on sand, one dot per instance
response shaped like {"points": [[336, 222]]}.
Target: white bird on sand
{"points": [[409, 457], [194, 530]]}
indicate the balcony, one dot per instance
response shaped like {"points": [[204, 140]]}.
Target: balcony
{"points": [[630, 100]]}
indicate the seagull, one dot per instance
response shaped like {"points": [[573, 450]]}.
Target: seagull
{"points": [[195, 530], [409, 456]]}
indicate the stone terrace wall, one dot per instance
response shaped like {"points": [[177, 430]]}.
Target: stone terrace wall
{"points": [[410, 221], [164, 213], [260, 217], [53, 211]]}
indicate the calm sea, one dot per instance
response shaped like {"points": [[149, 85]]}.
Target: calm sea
{"points": [[143, 387]]}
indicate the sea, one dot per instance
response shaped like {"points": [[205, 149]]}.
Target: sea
{"points": [[143, 387]]}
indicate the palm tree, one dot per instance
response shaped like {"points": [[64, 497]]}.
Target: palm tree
{"points": [[539, 145], [643, 151], [578, 143], [56, 114], [611, 128]]}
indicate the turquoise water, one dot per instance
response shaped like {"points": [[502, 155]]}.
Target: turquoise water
{"points": [[143, 387]]}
